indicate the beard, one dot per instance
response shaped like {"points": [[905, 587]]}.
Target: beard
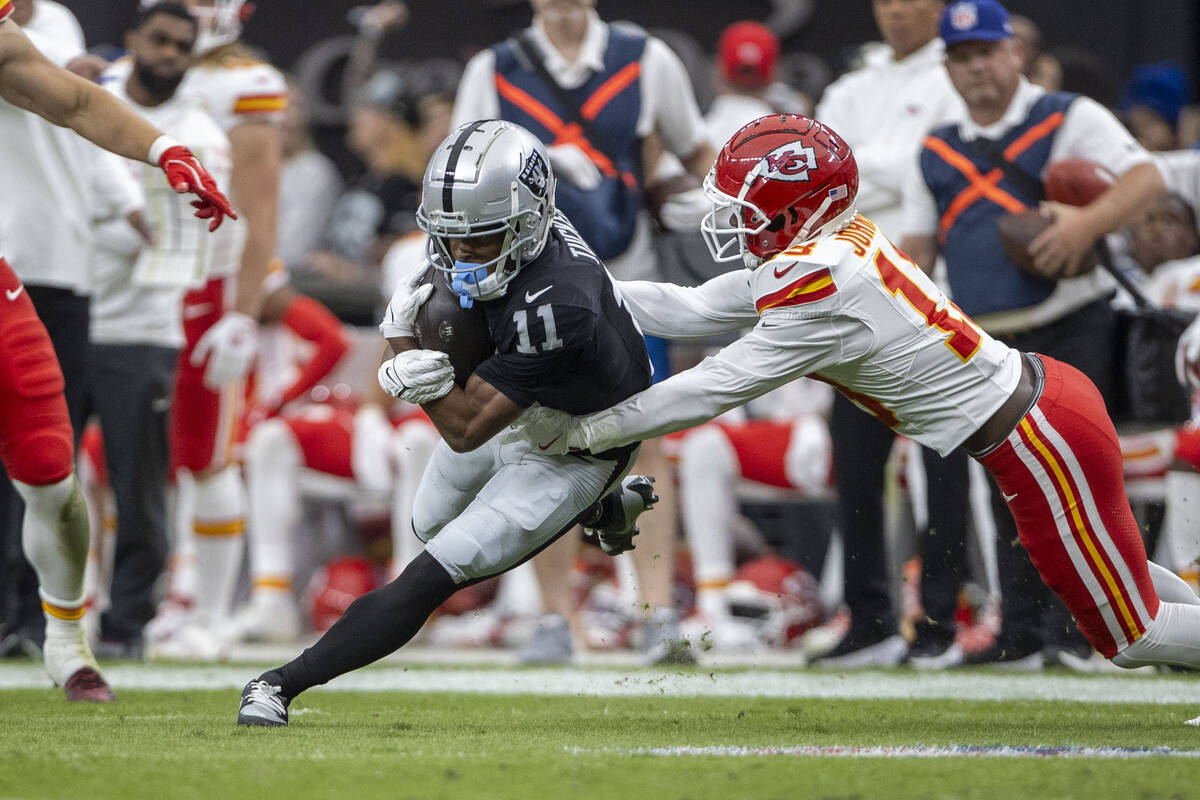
{"points": [[160, 87]]}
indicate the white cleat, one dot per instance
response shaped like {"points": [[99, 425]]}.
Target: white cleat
{"points": [[270, 617], [262, 706], [193, 642]]}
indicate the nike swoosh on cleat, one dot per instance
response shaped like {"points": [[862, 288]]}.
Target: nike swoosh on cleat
{"points": [[531, 296], [547, 444], [779, 274]]}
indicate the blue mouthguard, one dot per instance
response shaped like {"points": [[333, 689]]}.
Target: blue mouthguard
{"points": [[466, 273]]}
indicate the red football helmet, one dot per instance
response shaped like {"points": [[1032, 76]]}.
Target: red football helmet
{"points": [[780, 181], [780, 597]]}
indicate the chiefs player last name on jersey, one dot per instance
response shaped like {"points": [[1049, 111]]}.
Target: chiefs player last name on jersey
{"points": [[831, 298]]}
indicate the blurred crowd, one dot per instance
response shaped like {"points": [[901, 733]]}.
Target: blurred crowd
{"points": [[797, 524]]}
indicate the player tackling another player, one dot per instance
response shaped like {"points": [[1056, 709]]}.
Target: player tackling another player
{"points": [[36, 442], [832, 298]]}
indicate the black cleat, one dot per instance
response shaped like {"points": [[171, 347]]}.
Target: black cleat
{"points": [[614, 522], [263, 705]]}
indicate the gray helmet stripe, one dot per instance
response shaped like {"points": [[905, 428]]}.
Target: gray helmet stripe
{"points": [[452, 163]]}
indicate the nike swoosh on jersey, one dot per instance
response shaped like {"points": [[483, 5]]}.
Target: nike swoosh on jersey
{"points": [[13, 294], [779, 274], [531, 296]]}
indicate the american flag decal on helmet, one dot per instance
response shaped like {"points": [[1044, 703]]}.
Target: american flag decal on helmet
{"points": [[839, 192]]}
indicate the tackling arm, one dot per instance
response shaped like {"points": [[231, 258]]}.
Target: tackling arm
{"points": [[721, 305], [466, 418]]}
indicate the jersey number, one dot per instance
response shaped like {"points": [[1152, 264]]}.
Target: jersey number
{"points": [[964, 338], [524, 344]]}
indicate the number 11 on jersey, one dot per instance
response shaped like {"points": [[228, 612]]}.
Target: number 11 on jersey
{"points": [[964, 338], [524, 343]]}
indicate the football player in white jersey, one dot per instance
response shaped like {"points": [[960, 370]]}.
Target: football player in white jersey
{"points": [[36, 442], [832, 298], [247, 98]]}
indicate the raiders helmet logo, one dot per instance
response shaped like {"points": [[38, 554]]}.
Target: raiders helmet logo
{"points": [[791, 162], [535, 174]]}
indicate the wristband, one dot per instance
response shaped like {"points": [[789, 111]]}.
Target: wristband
{"points": [[161, 145]]}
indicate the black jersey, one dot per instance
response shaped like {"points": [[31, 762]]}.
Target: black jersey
{"points": [[563, 338]]}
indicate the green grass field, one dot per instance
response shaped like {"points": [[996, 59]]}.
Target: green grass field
{"points": [[365, 744]]}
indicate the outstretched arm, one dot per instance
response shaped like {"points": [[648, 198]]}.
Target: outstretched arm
{"points": [[31, 81], [721, 305]]}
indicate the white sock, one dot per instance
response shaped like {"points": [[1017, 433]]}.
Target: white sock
{"points": [[219, 523], [708, 475], [412, 447], [1171, 587], [55, 536], [181, 564], [273, 461], [1172, 637]]}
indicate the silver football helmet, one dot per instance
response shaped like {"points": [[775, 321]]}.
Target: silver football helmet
{"points": [[486, 178]]}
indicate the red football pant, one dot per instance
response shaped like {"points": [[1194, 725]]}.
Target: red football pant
{"points": [[36, 442], [203, 422], [1061, 474]]}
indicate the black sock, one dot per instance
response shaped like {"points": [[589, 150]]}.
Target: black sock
{"points": [[375, 625]]}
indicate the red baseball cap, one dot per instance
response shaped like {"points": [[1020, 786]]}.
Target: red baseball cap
{"points": [[748, 52]]}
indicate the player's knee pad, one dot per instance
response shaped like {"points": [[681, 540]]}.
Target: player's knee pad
{"points": [[41, 456]]}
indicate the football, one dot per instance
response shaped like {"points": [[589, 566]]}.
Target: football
{"points": [[1076, 181], [461, 333], [1017, 232]]}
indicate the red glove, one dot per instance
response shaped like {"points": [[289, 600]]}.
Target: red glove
{"points": [[185, 173]]}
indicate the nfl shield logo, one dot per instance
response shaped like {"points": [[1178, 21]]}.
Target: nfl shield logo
{"points": [[964, 16]]}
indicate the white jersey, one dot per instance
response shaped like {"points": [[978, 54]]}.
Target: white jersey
{"points": [[849, 309], [137, 287]]}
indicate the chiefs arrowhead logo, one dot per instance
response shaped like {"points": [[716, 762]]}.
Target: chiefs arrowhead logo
{"points": [[790, 162]]}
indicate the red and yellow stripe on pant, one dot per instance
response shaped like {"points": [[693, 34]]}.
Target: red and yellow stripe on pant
{"points": [[1061, 474]]}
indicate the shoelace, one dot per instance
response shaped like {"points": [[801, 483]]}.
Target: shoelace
{"points": [[266, 694]]}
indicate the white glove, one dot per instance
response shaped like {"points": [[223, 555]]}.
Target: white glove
{"points": [[229, 346], [370, 450], [1187, 356], [552, 431], [402, 311], [682, 212], [572, 164], [418, 376]]}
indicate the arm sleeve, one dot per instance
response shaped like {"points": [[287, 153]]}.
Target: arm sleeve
{"points": [[720, 305], [312, 322], [779, 350], [669, 96], [476, 98]]}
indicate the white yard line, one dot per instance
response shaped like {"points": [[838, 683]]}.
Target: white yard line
{"points": [[622, 681], [913, 751]]}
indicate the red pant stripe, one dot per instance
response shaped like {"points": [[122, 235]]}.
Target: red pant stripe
{"points": [[1104, 536], [1077, 532], [1050, 492]]}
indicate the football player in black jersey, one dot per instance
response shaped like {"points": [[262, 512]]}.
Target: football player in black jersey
{"points": [[564, 340]]}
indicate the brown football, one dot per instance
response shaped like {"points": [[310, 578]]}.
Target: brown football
{"points": [[461, 333], [1017, 232], [1076, 181]]}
